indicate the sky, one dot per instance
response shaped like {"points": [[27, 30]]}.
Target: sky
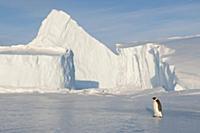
{"points": [[110, 21]]}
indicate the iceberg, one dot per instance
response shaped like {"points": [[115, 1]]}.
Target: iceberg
{"points": [[21, 68], [44, 62]]}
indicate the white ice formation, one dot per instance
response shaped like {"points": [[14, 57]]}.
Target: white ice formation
{"points": [[145, 67], [91, 65], [23, 68]]}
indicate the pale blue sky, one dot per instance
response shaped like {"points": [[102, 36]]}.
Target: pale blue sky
{"points": [[110, 21]]}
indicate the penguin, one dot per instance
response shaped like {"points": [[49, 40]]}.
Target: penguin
{"points": [[157, 108]]}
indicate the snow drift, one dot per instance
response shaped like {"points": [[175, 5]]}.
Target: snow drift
{"points": [[93, 65]]}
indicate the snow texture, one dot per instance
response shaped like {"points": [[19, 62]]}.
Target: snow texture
{"points": [[95, 66], [61, 113]]}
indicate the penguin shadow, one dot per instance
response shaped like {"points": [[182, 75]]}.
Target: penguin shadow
{"points": [[149, 110], [155, 120], [176, 113]]}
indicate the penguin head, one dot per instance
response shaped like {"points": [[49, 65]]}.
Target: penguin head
{"points": [[154, 98]]}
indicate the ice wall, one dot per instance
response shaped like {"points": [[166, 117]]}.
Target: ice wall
{"points": [[143, 67], [36, 70]]}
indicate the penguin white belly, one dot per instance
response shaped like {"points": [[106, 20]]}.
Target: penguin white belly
{"points": [[156, 111]]}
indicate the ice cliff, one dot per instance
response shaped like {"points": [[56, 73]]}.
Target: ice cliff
{"points": [[91, 65], [145, 67], [35, 69]]}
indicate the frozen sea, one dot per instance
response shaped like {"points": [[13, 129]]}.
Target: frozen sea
{"points": [[75, 113]]}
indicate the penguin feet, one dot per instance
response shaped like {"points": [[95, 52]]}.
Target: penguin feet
{"points": [[157, 116]]}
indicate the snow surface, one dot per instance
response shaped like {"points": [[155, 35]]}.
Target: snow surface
{"points": [[72, 113]]}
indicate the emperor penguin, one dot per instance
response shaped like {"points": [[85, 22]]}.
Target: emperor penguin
{"points": [[157, 107]]}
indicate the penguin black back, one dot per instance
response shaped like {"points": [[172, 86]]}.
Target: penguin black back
{"points": [[159, 105]]}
